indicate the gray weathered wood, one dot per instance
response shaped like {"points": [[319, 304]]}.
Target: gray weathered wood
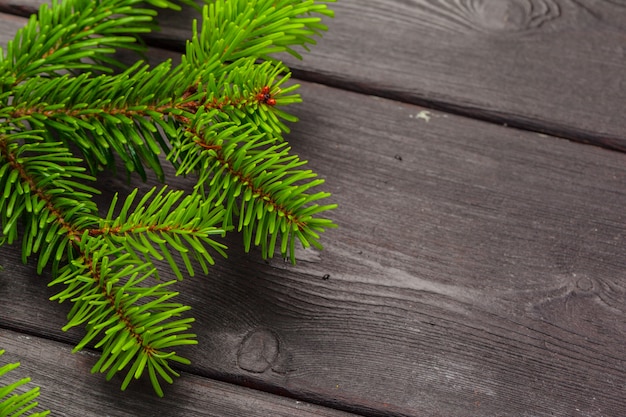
{"points": [[9, 25], [554, 66], [477, 270], [68, 389]]}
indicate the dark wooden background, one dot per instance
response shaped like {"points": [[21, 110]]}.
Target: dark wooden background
{"points": [[475, 151]]}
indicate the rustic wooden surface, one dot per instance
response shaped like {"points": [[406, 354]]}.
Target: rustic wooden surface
{"points": [[553, 66], [191, 396], [477, 269]]}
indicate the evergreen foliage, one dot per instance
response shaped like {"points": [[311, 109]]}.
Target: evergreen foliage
{"points": [[69, 109], [14, 404]]}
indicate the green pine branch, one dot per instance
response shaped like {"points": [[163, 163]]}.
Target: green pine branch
{"points": [[165, 224], [261, 186], [136, 322], [44, 194], [64, 34], [215, 116], [14, 403]]}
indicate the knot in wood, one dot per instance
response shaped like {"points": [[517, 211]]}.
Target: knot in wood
{"points": [[258, 351], [584, 284], [512, 15]]}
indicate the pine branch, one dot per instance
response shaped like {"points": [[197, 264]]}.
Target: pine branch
{"points": [[166, 223], [13, 404], [234, 29], [105, 278], [246, 94], [103, 116], [135, 320], [119, 115], [97, 266], [216, 115], [63, 35], [42, 189], [101, 280], [260, 185]]}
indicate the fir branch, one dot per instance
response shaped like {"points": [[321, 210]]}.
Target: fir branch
{"points": [[104, 281], [105, 286], [272, 192], [104, 116], [13, 404], [216, 114], [166, 222], [96, 266], [234, 29], [41, 188], [120, 114], [65, 34], [248, 94]]}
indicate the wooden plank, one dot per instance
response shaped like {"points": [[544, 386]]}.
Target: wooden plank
{"points": [[554, 66], [9, 25], [477, 270], [66, 385]]}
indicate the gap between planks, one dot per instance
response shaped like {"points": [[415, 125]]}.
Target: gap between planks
{"points": [[518, 243], [472, 269], [65, 382], [548, 67]]}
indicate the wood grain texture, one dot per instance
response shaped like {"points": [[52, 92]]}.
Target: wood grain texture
{"points": [[477, 270], [553, 66], [64, 380], [9, 24]]}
